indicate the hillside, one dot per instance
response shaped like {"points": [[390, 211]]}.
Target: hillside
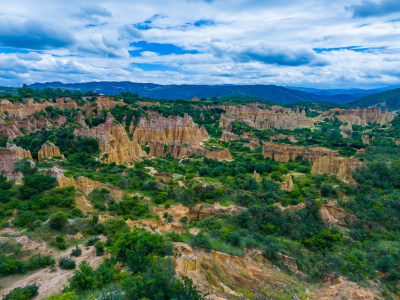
{"points": [[196, 199], [388, 99], [271, 92]]}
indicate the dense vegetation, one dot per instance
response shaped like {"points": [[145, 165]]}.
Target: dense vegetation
{"points": [[140, 266]]}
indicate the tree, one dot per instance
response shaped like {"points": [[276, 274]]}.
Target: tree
{"points": [[83, 278], [58, 221]]}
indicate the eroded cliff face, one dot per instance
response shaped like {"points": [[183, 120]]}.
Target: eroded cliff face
{"points": [[48, 150], [275, 117], [171, 130], [285, 153], [359, 116], [225, 276], [219, 155], [114, 142], [19, 152], [342, 167]]}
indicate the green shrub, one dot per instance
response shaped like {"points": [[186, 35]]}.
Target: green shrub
{"points": [[66, 263], [58, 221], [76, 252], [22, 293], [92, 241]]}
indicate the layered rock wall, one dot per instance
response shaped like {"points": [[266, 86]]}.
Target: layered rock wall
{"points": [[220, 155], [286, 153], [342, 167], [276, 117], [359, 116], [171, 130]]}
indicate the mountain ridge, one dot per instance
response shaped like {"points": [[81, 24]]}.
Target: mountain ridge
{"points": [[274, 93]]}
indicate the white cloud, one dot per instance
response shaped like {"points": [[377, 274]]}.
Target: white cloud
{"points": [[243, 42]]}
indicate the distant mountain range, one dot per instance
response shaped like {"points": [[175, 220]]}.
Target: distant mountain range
{"points": [[273, 93], [388, 99]]}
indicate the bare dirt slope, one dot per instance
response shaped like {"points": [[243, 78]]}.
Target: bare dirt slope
{"points": [[50, 282]]}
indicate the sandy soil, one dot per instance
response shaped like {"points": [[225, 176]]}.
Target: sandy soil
{"points": [[50, 282]]}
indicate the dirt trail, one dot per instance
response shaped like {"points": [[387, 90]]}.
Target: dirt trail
{"points": [[49, 282]]}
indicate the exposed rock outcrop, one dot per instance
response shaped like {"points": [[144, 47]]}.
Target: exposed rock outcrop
{"points": [[359, 116], [7, 161], [340, 288], [219, 155], [275, 117], [48, 150], [87, 185], [342, 167], [19, 152], [228, 136], [114, 142], [288, 184], [171, 130], [156, 149], [199, 211], [335, 216], [225, 276], [285, 153]]}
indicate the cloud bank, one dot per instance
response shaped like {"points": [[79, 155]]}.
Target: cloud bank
{"points": [[324, 44]]}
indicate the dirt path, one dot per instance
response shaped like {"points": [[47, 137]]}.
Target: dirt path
{"points": [[49, 282]]}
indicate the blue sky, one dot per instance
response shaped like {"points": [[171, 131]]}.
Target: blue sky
{"points": [[310, 43]]}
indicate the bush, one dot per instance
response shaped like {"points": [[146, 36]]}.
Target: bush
{"points": [[201, 241], [92, 241], [22, 293], [58, 221], [99, 248], [76, 252], [59, 242], [66, 263], [83, 278]]}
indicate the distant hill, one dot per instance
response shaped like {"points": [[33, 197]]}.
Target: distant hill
{"points": [[8, 91], [271, 92], [389, 99]]}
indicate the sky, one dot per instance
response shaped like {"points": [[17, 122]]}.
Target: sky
{"points": [[309, 43]]}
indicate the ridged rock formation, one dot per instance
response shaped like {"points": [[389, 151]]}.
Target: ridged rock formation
{"points": [[342, 167], [87, 186], [171, 130], [285, 153], [219, 155], [225, 276], [114, 142], [359, 116], [288, 184], [229, 136], [47, 150], [19, 152], [276, 117]]}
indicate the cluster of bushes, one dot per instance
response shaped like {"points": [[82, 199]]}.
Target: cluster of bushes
{"points": [[12, 266], [149, 274]]}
